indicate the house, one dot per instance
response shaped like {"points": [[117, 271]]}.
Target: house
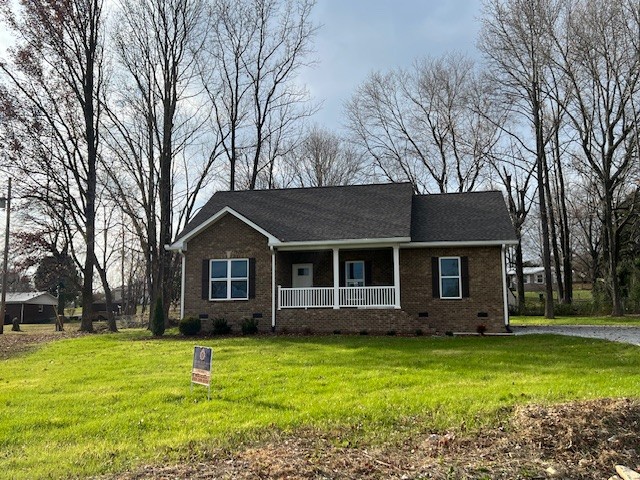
{"points": [[31, 307], [533, 278], [352, 258]]}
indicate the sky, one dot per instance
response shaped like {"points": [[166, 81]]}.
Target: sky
{"points": [[357, 37], [360, 36]]}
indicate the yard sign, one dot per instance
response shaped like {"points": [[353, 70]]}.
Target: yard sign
{"points": [[201, 371]]}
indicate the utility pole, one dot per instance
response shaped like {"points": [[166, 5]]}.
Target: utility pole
{"points": [[3, 300]]}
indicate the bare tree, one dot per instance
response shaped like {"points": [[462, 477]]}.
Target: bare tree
{"points": [[599, 55], [515, 40], [54, 78], [254, 52], [153, 119], [422, 125], [322, 158]]}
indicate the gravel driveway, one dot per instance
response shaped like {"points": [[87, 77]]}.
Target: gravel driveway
{"points": [[616, 334]]}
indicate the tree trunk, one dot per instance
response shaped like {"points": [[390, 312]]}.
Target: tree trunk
{"points": [[520, 276], [544, 221], [612, 257]]}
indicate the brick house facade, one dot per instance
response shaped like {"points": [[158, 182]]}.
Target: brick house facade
{"points": [[239, 262]]}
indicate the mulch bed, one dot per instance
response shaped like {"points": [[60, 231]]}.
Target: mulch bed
{"points": [[578, 440], [17, 343]]}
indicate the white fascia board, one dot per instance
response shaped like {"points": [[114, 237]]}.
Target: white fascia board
{"points": [[477, 243], [182, 243], [347, 243]]}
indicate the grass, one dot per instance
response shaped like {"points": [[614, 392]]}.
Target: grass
{"points": [[578, 294], [522, 320], [107, 403]]}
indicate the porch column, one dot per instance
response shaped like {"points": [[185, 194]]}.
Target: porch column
{"points": [[396, 275], [336, 278]]}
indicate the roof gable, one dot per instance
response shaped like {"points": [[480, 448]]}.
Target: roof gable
{"points": [[31, 298]]}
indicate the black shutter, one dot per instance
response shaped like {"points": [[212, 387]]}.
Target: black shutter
{"points": [[368, 272], [343, 281], [252, 278], [205, 279], [464, 274], [435, 277]]}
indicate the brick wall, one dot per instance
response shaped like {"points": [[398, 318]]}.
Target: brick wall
{"points": [[228, 238], [485, 290], [231, 238]]}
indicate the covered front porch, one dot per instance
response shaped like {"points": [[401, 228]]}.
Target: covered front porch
{"points": [[338, 278]]}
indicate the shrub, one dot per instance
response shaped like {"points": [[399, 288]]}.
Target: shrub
{"points": [[190, 326], [364, 332], [481, 328], [221, 326], [391, 333], [157, 322], [250, 326], [419, 332], [337, 332]]}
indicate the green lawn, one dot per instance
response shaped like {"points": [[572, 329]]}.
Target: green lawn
{"points": [[578, 294], [525, 320], [106, 403]]}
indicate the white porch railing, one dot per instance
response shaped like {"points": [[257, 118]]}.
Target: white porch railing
{"points": [[367, 296], [306, 297], [323, 297]]}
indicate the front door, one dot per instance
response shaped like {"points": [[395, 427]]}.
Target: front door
{"points": [[302, 275]]}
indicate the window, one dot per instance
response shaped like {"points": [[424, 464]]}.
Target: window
{"points": [[354, 274], [539, 278], [229, 279], [525, 279], [40, 308], [450, 277]]}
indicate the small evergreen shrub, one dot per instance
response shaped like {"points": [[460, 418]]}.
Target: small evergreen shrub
{"points": [[364, 332], [157, 322], [190, 326], [337, 332], [419, 332], [250, 326], [391, 333], [221, 326], [481, 328]]}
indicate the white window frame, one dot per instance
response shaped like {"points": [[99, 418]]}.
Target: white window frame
{"points": [[539, 278], [354, 280], [228, 279], [40, 308], [458, 277]]}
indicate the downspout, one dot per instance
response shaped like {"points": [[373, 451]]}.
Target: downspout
{"points": [[182, 282], [273, 289], [505, 298]]}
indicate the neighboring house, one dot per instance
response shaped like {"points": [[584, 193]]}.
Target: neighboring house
{"points": [[31, 307], [533, 279], [352, 258]]}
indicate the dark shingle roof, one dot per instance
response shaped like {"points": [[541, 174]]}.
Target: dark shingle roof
{"points": [[461, 217], [321, 213], [366, 212]]}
